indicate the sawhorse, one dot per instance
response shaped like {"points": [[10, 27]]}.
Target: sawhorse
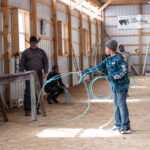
{"points": [[34, 86]]}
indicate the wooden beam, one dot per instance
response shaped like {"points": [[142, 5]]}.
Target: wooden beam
{"points": [[81, 41], [103, 35], [70, 43], [61, 9], [15, 30], [97, 41], [44, 3], [111, 26], [55, 31], [77, 4], [47, 21], [140, 43], [6, 48], [105, 5], [74, 15], [46, 38], [76, 42], [124, 35], [27, 28], [76, 29], [90, 44], [1, 56], [34, 17]]}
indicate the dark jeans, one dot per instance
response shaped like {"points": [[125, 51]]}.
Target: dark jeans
{"points": [[27, 96], [53, 92]]}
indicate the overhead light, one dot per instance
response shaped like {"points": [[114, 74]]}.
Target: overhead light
{"points": [[149, 2]]}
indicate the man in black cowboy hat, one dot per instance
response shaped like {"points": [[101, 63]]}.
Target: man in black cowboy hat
{"points": [[36, 59]]}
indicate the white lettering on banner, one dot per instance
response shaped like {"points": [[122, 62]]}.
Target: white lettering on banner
{"points": [[134, 22]]}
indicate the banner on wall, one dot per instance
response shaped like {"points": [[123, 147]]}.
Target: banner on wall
{"points": [[134, 22]]}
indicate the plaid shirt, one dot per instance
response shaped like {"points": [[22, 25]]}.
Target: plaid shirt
{"points": [[34, 60], [117, 70]]}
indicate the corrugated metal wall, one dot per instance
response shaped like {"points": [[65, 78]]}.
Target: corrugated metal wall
{"points": [[45, 12], [76, 46], [125, 10]]}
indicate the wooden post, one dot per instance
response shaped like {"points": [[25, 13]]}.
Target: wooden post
{"points": [[70, 42], [105, 5], [34, 17], [55, 32], [27, 28], [3, 110], [97, 41], [6, 48], [103, 35], [15, 27], [33, 99], [37, 90], [81, 41], [140, 43], [90, 44]]}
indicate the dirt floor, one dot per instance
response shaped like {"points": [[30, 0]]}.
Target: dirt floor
{"points": [[20, 133]]}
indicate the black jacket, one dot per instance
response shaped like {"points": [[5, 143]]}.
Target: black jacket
{"points": [[54, 83], [34, 60]]}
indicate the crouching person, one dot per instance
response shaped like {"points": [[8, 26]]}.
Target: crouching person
{"points": [[54, 88]]}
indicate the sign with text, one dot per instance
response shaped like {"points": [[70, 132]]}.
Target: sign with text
{"points": [[134, 22]]}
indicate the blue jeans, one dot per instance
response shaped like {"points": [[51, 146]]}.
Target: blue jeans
{"points": [[121, 109], [27, 97]]}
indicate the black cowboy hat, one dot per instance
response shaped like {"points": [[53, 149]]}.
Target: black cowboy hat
{"points": [[33, 40]]}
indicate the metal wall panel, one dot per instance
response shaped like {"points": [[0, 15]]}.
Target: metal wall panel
{"points": [[85, 24], [63, 63], [93, 26], [76, 48], [49, 1], [86, 61], [93, 39], [146, 9], [74, 64], [1, 45], [1, 21], [75, 22], [51, 63], [75, 12], [61, 16], [47, 46], [75, 35], [44, 11], [134, 59], [127, 40], [49, 29], [121, 10], [22, 4], [61, 6], [116, 31]]}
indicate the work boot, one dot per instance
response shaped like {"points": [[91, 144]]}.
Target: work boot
{"points": [[38, 112], [27, 113], [49, 100], [55, 100]]}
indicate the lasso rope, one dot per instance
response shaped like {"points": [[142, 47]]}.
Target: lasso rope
{"points": [[87, 90]]}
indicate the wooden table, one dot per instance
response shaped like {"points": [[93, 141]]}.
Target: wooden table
{"points": [[30, 75]]}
